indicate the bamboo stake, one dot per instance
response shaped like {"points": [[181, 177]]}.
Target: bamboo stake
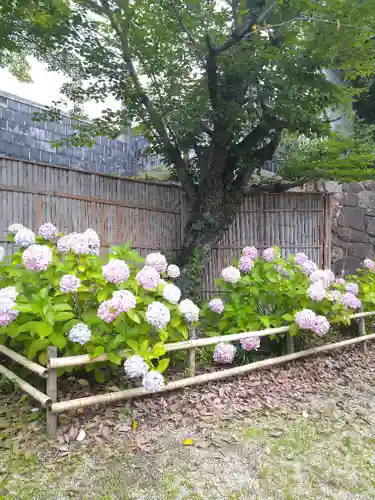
{"points": [[201, 379], [186, 344], [21, 360], [289, 343], [362, 333], [52, 393], [43, 399], [191, 352]]}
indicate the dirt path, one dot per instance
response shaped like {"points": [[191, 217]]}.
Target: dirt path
{"points": [[322, 447]]}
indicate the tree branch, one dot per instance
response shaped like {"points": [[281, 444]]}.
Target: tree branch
{"points": [[211, 68], [182, 24], [172, 152], [277, 187], [246, 28]]}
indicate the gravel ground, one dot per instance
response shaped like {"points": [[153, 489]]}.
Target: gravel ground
{"points": [[304, 431]]}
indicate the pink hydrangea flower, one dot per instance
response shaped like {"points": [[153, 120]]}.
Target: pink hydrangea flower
{"points": [[321, 326], [251, 252], [250, 343], [305, 319], [316, 291], [230, 274], [308, 267], [69, 283], [79, 244], [47, 231], [107, 311], [340, 281], [245, 264], [37, 257], [148, 277], [157, 261], [300, 258], [123, 301], [224, 353], [269, 254], [63, 244], [369, 264], [92, 236], [352, 288], [116, 271], [216, 305], [173, 271], [7, 304], [326, 277]]}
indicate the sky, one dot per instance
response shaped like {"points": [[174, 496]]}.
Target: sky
{"points": [[45, 88]]}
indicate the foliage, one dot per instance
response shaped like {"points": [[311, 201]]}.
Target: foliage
{"points": [[272, 292], [30, 26], [51, 302]]}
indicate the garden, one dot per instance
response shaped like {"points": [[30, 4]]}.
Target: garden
{"points": [[121, 317]]}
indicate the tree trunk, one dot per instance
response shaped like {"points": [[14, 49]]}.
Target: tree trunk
{"points": [[212, 215]]}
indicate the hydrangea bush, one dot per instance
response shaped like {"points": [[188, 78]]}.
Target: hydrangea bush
{"points": [[56, 290], [264, 290]]}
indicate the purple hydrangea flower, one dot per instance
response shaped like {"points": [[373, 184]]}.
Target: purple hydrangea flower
{"points": [[316, 291], [153, 381], [216, 306], [308, 267], [69, 283], [321, 326], [352, 288], [80, 333], [107, 311], [250, 343], [251, 252], [135, 366], [349, 300], [300, 258], [305, 319], [245, 264], [47, 231], [24, 237], [224, 353], [269, 254]]}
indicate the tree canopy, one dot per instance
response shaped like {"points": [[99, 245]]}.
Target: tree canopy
{"points": [[214, 85]]}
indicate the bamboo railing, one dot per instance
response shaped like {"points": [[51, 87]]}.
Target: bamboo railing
{"points": [[54, 407]]}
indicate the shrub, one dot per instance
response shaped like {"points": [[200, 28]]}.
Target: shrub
{"points": [[55, 290], [268, 291]]}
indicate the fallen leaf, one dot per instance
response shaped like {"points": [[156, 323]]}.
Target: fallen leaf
{"points": [[134, 425], [81, 435], [305, 414], [202, 444], [83, 382], [188, 442]]}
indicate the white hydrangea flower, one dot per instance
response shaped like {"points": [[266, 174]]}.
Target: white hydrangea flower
{"points": [[158, 315], [189, 310], [2, 254], [153, 381], [24, 237], [9, 292], [230, 274], [173, 271], [171, 293], [13, 228], [80, 333], [135, 366]]}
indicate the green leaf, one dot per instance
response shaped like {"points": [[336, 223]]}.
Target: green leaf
{"points": [[288, 317], [82, 269], [58, 340], [30, 326], [63, 316], [103, 295], [99, 376], [184, 330], [163, 365], [133, 344], [62, 307], [114, 358], [36, 346], [28, 308], [134, 316], [98, 351], [158, 350], [43, 329], [143, 348]]}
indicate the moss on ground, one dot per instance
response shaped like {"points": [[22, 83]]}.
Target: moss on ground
{"points": [[323, 450]]}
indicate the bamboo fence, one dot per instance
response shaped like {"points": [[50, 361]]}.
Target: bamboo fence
{"points": [[153, 215], [54, 407]]}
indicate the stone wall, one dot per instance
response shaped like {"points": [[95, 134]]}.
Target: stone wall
{"points": [[21, 137], [353, 224]]}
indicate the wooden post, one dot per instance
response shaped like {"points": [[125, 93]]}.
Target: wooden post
{"points": [[52, 393], [362, 333], [289, 343], [327, 231], [191, 352]]}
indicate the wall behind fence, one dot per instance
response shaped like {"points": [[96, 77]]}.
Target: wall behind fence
{"points": [[152, 216]]}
